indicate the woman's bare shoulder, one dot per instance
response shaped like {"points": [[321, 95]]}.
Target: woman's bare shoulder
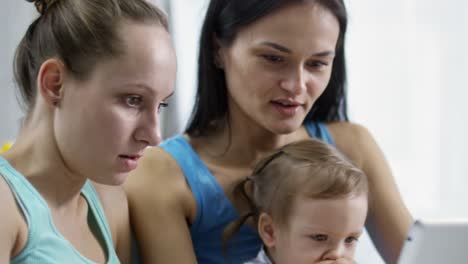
{"points": [[159, 179], [156, 165], [113, 199], [347, 128], [352, 139]]}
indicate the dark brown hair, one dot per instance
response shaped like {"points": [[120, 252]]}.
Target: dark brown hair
{"points": [[224, 19], [77, 32], [309, 168]]}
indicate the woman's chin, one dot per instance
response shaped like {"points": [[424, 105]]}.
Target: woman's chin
{"points": [[284, 129], [119, 179], [285, 126], [113, 180]]}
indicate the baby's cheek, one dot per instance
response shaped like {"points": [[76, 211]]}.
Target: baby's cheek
{"points": [[351, 249]]}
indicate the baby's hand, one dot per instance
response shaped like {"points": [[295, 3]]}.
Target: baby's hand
{"points": [[338, 261]]}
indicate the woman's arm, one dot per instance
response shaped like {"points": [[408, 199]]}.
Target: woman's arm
{"points": [[389, 220], [161, 205], [115, 205]]}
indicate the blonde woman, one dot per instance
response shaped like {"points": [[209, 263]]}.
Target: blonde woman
{"points": [[93, 75]]}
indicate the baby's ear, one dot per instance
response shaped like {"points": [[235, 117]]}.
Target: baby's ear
{"points": [[266, 230], [50, 80]]}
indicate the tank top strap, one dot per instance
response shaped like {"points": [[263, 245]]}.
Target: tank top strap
{"points": [[94, 203], [194, 170], [320, 131], [45, 244], [30, 202]]}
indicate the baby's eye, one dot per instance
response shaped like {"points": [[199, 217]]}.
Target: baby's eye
{"points": [[351, 239], [162, 105], [319, 237], [134, 101]]}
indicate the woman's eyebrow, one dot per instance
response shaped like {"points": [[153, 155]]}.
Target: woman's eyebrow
{"points": [[276, 46], [326, 53]]}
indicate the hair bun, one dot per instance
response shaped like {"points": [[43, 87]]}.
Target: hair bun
{"points": [[42, 5]]}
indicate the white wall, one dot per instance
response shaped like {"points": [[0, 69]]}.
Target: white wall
{"points": [[15, 17], [407, 68], [186, 19]]}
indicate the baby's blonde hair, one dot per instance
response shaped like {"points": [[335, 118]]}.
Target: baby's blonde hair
{"points": [[308, 168]]}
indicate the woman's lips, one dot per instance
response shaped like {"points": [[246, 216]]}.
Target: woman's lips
{"points": [[286, 108], [129, 162]]}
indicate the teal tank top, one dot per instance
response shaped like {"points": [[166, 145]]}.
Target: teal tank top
{"points": [[45, 244], [214, 210]]}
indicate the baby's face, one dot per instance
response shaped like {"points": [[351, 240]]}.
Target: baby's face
{"points": [[320, 230]]}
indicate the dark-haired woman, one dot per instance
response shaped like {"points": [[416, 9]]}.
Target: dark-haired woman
{"points": [[270, 72], [93, 75]]}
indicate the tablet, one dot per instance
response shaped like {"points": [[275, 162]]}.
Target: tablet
{"points": [[436, 242]]}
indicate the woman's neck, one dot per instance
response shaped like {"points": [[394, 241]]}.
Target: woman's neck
{"points": [[35, 155], [242, 143]]}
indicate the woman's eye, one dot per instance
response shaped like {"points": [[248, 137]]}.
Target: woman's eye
{"points": [[317, 64], [134, 101], [272, 58], [162, 105], [319, 237]]}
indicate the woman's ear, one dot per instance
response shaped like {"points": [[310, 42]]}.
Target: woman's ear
{"points": [[266, 230], [50, 80]]}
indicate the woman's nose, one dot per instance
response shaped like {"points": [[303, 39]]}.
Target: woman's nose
{"points": [[295, 82]]}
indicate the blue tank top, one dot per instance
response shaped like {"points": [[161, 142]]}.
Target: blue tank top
{"points": [[45, 244], [214, 209]]}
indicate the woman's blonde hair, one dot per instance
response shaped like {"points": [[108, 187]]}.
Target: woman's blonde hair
{"points": [[79, 33]]}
